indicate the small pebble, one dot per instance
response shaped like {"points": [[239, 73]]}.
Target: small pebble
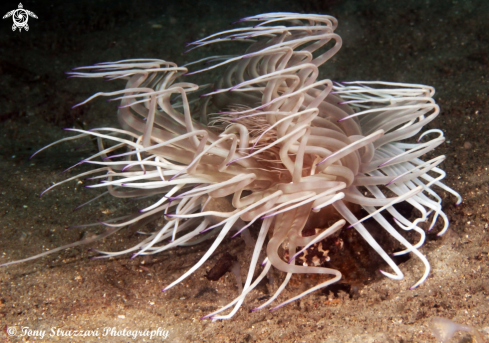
{"points": [[467, 145]]}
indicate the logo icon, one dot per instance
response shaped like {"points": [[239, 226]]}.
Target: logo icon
{"points": [[20, 17]]}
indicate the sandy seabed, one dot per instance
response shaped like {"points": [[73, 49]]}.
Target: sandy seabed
{"points": [[439, 43]]}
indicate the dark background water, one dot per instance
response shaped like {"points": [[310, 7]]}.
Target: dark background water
{"points": [[441, 43]]}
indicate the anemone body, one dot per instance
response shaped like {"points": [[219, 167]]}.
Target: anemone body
{"points": [[273, 142]]}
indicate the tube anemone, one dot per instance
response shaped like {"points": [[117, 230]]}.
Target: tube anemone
{"points": [[275, 142]]}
